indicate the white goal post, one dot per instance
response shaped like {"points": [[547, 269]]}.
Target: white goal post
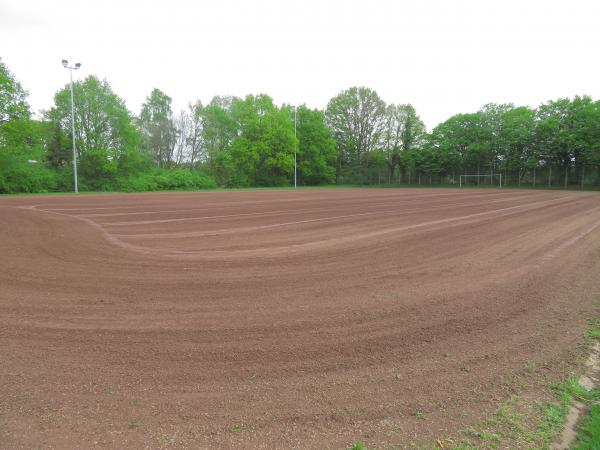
{"points": [[479, 177]]}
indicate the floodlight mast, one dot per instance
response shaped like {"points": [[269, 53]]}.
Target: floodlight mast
{"points": [[65, 64], [295, 151]]}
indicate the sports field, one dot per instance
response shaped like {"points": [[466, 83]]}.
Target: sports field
{"points": [[280, 318]]}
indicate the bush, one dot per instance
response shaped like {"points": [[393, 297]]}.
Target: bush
{"points": [[165, 179], [203, 181], [17, 175], [97, 171], [136, 183], [64, 178], [588, 436]]}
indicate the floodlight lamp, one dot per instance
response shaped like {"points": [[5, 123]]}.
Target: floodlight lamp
{"points": [[77, 66], [65, 62]]}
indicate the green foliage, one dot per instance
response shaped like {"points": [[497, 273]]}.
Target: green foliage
{"points": [[566, 134], [373, 138], [64, 178], [235, 142], [358, 446], [21, 141], [588, 436], [356, 118], [102, 122], [18, 175], [515, 141], [248, 142], [588, 432], [156, 125], [165, 179], [263, 149], [97, 171], [13, 104], [316, 147]]}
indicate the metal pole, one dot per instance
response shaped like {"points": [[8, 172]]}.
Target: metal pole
{"points": [[73, 130], [295, 152]]}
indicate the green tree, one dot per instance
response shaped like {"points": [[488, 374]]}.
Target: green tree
{"points": [[14, 111], [402, 137], [566, 133], [450, 142], [219, 129], [158, 129], [391, 138], [585, 133], [105, 133], [102, 122], [262, 151], [412, 136], [13, 98], [356, 117], [516, 136], [591, 155], [491, 133], [316, 147], [197, 151], [22, 141]]}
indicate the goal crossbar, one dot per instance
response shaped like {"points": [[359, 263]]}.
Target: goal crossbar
{"points": [[490, 176]]}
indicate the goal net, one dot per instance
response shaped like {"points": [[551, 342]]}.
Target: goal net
{"points": [[481, 180]]}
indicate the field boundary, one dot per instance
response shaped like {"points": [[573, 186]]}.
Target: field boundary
{"points": [[558, 420], [589, 381], [523, 187]]}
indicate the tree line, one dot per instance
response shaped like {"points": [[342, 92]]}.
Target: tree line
{"points": [[237, 142]]}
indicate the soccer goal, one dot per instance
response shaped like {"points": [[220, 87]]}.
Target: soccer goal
{"points": [[477, 180]]}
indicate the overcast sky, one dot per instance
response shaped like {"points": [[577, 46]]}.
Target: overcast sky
{"points": [[444, 56]]}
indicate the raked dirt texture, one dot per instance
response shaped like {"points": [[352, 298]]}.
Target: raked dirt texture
{"points": [[283, 319]]}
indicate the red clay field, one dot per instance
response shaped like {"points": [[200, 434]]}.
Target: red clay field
{"points": [[284, 319]]}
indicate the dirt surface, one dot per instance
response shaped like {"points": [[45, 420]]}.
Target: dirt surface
{"points": [[282, 319]]}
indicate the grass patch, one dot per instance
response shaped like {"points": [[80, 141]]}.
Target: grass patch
{"points": [[593, 333], [234, 428], [588, 435], [512, 423]]}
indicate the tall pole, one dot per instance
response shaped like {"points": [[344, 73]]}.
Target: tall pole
{"points": [[295, 151], [73, 131], [66, 65]]}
